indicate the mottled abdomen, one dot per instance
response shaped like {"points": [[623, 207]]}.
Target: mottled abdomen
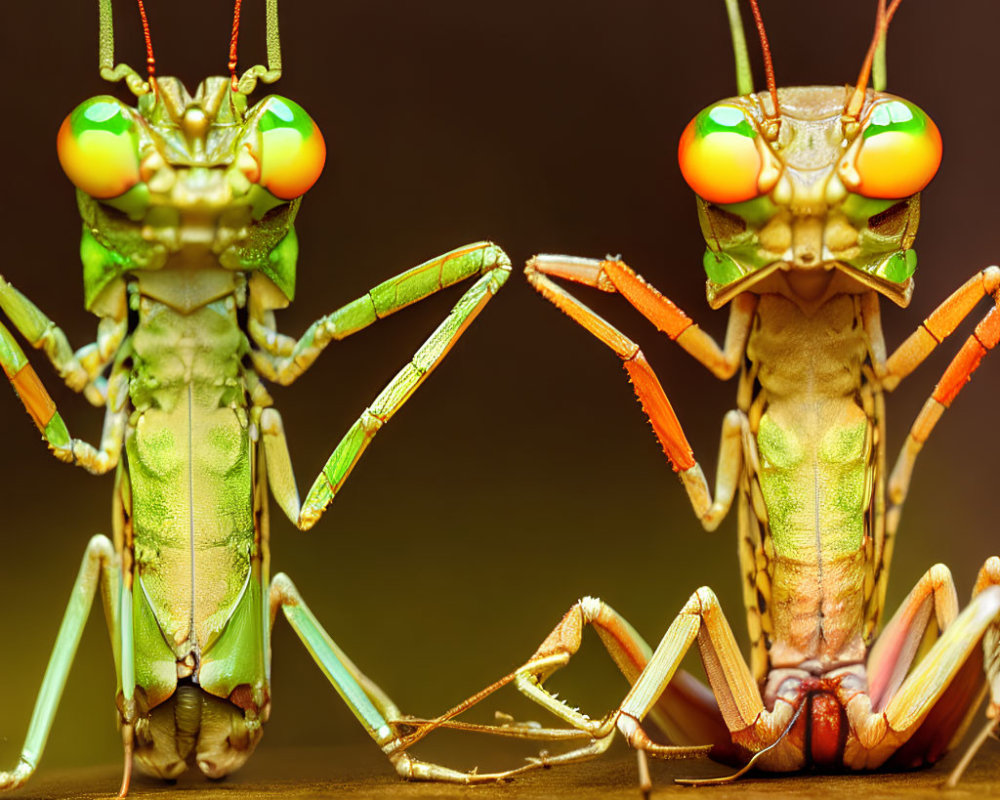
{"points": [[814, 448], [190, 465]]}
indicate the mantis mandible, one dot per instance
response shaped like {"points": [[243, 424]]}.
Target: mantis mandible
{"points": [[808, 199], [188, 249]]}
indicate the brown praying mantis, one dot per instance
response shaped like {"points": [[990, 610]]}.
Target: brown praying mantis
{"points": [[808, 199]]}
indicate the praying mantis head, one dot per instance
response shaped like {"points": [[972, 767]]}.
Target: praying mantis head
{"points": [[193, 173], [810, 190]]}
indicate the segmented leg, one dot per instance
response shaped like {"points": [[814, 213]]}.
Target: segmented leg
{"points": [[686, 711], [931, 607], [81, 370], [42, 409], [935, 329], [97, 568], [735, 690], [922, 719], [616, 276], [282, 358], [368, 703], [989, 576], [304, 514], [612, 276]]}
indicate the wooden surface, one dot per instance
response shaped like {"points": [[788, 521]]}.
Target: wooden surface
{"points": [[360, 771]]}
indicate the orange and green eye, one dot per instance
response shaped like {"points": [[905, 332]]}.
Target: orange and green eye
{"points": [[900, 151], [98, 147], [719, 157], [292, 151]]}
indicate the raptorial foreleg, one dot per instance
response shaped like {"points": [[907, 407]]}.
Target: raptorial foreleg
{"points": [[667, 427]]}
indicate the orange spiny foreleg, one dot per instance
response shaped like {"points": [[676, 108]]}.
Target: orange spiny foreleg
{"points": [[615, 276]]}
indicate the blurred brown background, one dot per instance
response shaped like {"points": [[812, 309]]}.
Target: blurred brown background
{"points": [[523, 475]]}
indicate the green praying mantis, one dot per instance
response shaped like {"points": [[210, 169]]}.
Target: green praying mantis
{"points": [[188, 249], [808, 199]]}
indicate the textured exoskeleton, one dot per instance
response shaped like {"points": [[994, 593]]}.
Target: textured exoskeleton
{"points": [[188, 249], [809, 200]]}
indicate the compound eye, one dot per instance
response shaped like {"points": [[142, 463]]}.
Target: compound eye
{"points": [[900, 151], [719, 157], [98, 147], [292, 151]]}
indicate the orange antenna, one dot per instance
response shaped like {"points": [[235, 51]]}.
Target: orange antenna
{"points": [[882, 19], [232, 43], [772, 87], [150, 59]]}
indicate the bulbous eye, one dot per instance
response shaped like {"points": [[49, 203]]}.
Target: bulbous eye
{"points": [[98, 147], [900, 151], [718, 156], [292, 151]]}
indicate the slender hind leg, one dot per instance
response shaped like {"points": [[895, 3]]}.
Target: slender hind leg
{"points": [[918, 722], [372, 707], [989, 576], [686, 711], [97, 567], [750, 725]]}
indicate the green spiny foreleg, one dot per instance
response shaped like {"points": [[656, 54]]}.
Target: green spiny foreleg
{"points": [[283, 359], [387, 297]]}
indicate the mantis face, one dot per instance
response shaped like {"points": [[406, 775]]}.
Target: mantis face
{"points": [[813, 193], [199, 175]]}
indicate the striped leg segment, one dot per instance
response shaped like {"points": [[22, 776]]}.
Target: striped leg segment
{"points": [[81, 370], [282, 358], [686, 710], [372, 707], [924, 717], [937, 327], [931, 607], [616, 276], [347, 453], [98, 568], [42, 409], [737, 694], [989, 576], [647, 386]]}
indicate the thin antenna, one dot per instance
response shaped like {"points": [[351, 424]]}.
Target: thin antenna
{"points": [[772, 87], [270, 73], [882, 20], [106, 52], [150, 59], [879, 77], [232, 44], [744, 74]]}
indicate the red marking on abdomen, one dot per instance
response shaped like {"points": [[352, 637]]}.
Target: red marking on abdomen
{"points": [[827, 729]]}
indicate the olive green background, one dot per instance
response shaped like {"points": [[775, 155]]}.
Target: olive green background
{"points": [[523, 475]]}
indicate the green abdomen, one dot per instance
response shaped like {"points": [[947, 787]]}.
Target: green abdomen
{"points": [[815, 482], [190, 469]]}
